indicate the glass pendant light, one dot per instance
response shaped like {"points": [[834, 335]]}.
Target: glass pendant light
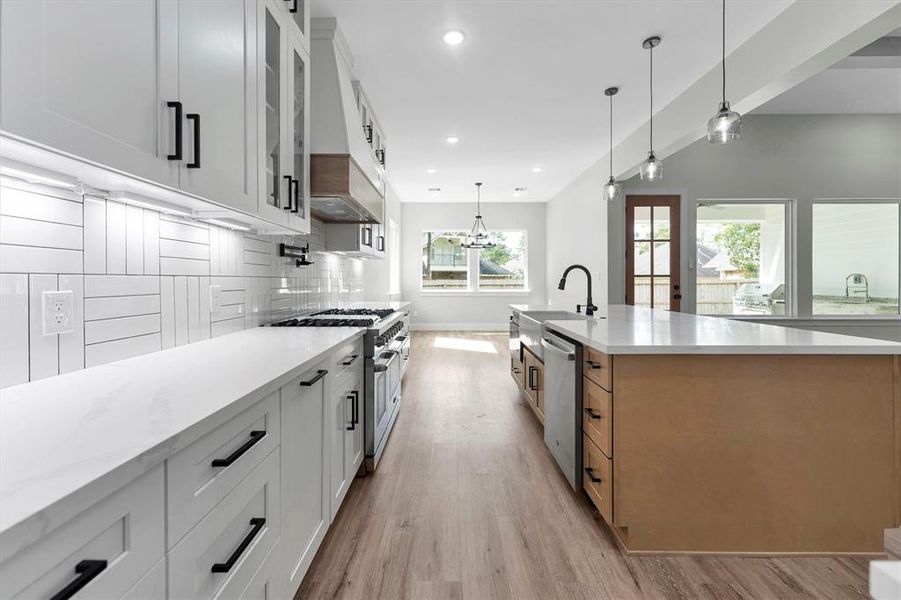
{"points": [[478, 236], [725, 125], [652, 168], [612, 189]]}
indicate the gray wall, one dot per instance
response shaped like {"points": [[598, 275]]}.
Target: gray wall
{"points": [[802, 157]]}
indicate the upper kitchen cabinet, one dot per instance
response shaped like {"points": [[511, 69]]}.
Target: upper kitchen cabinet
{"points": [[217, 66], [299, 15], [284, 90], [372, 130], [94, 79]]}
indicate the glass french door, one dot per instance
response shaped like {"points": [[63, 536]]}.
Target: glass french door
{"points": [[652, 252]]}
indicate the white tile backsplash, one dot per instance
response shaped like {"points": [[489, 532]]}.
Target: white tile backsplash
{"points": [[141, 280]]}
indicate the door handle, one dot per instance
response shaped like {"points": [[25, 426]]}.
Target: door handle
{"points": [[296, 184], [225, 567], [532, 385], [293, 8], [319, 375], [353, 358], [255, 436], [87, 570], [178, 130], [196, 118], [290, 181], [677, 296], [353, 411], [590, 412], [590, 472]]}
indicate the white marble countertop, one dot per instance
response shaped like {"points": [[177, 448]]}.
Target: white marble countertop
{"points": [[112, 422], [634, 330]]}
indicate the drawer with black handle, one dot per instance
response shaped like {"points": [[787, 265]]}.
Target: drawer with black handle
{"points": [[101, 553], [202, 474], [219, 557]]}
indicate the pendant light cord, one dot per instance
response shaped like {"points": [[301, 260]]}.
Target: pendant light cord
{"points": [[724, 50], [651, 86], [611, 135]]}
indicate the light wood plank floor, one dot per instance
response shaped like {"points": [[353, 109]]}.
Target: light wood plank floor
{"points": [[467, 503]]}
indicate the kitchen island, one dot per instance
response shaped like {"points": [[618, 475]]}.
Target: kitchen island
{"points": [[705, 434]]}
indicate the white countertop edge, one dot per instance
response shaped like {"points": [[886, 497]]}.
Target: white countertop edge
{"points": [[22, 521]]}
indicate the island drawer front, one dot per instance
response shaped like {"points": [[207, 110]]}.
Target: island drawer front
{"points": [[517, 370], [598, 367], [348, 356], [195, 486], [597, 415], [125, 529], [230, 536], [598, 467]]}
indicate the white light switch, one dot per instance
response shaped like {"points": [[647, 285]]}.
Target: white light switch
{"points": [[57, 307]]}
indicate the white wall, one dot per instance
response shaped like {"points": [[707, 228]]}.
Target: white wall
{"points": [[485, 311], [577, 233]]}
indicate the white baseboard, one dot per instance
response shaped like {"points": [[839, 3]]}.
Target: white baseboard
{"points": [[485, 327]]}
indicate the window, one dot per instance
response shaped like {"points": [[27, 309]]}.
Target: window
{"points": [[446, 265], [855, 258], [741, 258], [503, 267]]}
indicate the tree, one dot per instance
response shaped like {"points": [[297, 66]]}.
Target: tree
{"points": [[742, 243], [500, 253]]}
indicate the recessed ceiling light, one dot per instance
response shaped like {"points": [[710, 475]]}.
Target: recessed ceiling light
{"points": [[454, 37], [452, 139], [431, 170], [536, 169], [435, 190]]}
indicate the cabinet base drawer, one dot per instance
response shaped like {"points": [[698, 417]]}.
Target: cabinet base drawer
{"points": [[597, 478], [218, 558], [597, 415], [598, 367], [108, 547]]}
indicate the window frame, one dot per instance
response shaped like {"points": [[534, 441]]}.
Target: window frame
{"points": [[791, 255], [473, 287], [809, 263]]}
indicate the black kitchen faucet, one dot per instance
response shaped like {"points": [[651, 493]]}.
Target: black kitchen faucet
{"points": [[589, 306]]}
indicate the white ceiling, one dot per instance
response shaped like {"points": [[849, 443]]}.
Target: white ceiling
{"points": [[526, 87]]}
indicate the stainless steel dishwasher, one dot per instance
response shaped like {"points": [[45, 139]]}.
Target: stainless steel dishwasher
{"points": [[563, 404]]}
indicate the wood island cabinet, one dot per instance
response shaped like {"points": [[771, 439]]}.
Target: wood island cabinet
{"points": [[752, 454], [533, 376]]}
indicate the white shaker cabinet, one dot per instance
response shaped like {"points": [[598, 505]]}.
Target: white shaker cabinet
{"points": [[217, 65], [304, 472], [283, 119], [346, 427], [93, 79]]}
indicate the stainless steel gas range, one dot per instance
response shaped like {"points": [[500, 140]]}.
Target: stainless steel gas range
{"points": [[386, 349]]}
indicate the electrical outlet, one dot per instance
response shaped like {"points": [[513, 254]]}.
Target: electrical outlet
{"points": [[215, 299], [57, 307]]}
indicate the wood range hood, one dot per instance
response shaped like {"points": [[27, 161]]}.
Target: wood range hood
{"points": [[340, 192]]}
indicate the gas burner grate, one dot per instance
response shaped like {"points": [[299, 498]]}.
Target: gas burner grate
{"points": [[324, 323], [376, 312]]}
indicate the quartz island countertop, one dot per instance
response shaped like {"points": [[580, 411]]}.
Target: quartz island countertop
{"points": [[623, 329]]}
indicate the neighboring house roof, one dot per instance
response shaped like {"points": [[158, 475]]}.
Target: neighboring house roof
{"points": [[661, 261], [488, 267], [720, 263]]}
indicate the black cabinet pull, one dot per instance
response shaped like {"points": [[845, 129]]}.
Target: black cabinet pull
{"points": [[319, 375], [196, 118], [590, 412], [296, 184], [532, 385], [590, 472], [369, 236], [258, 523], [293, 8], [255, 436], [87, 570], [380, 156], [381, 245], [290, 181], [353, 358], [178, 131], [367, 129], [354, 398], [594, 365], [677, 296]]}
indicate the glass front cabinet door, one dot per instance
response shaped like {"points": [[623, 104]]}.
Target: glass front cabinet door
{"points": [[298, 125]]}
